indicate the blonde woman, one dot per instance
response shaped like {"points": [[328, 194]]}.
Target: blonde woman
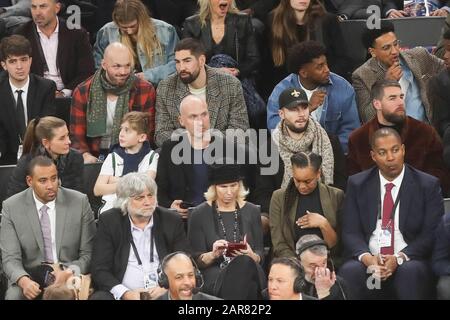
{"points": [[215, 228], [223, 30], [151, 41]]}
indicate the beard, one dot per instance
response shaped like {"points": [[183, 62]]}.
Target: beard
{"points": [[395, 118], [295, 129], [142, 213], [190, 78]]}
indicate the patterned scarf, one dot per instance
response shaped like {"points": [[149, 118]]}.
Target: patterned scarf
{"points": [[314, 139], [96, 109]]}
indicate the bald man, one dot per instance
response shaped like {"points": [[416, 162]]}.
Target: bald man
{"points": [[100, 102], [182, 279]]}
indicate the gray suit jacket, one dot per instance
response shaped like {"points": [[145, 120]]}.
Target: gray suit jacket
{"points": [[21, 238], [226, 105], [422, 64]]}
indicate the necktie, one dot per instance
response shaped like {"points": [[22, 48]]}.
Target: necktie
{"points": [[21, 126], [386, 222], [46, 234]]}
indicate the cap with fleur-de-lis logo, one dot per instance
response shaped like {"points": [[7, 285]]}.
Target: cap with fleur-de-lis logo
{"points": [[292, 97]]}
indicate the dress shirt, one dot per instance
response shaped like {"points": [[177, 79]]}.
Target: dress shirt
{"points": [[134, 274]]}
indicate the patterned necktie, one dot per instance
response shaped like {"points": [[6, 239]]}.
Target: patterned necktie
{"points": [[21, 126], [386, 222], [46, 234]]}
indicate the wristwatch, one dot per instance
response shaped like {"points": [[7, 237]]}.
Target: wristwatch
{"points": [[400, 258]]}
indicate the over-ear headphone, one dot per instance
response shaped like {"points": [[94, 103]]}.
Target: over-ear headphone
{"points": [[163, 280], [293, 263]]}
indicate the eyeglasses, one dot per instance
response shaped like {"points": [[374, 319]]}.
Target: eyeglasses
{"points": [[388, 47]]}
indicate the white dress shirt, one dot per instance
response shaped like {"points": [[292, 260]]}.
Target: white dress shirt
{"points": [[134, 274], [50, 48], [52, 215], [399, 242], [24, 96]]}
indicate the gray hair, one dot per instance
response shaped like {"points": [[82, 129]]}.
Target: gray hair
{"points": [[318, 250], [133, 184]]}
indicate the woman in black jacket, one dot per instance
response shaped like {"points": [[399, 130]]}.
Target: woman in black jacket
{"points": [[48, 136]]}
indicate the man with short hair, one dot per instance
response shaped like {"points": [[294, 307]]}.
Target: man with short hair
{"points": [[180, 275], [24, 96], [62, 53], [286, 280], [411, 68], [331, 98], [320, 277], [132, 239], [421, 140], [222, 93], [389, 220], [100, 102], [45, 223]]}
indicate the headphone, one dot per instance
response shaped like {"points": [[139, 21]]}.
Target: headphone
{"points": [[163, 280], [293, 263], [305, 246]]}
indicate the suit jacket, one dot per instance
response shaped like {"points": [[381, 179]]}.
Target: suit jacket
{"points": [[112, 244], [441, 250], [283, 234], [422, 64], [423, 149], [74, 57], [197, 296], [226, 105], [439, 93], [421, 208], [40, 102], [21, 238]]}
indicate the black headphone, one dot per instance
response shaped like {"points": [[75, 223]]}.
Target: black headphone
{"points": [[163, 280], [293, 263]]}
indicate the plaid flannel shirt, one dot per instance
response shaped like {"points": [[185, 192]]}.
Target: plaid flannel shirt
{"points": [[142, 98]]}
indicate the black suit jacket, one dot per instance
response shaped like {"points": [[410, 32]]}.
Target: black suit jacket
{"points": [[74, 59], [40, 102], [421, 207], [357, 9], [112, 244]]}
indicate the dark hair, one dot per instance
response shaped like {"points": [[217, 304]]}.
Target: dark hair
{"points": [[15, 45], [370, 35], [306, 159], [303, 53], [295, 265], [381, 133], [446, 35], [41, 161], [193, 45], [377, 91]]}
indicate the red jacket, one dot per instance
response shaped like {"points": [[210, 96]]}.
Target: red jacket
{"points": [[142, 98]]}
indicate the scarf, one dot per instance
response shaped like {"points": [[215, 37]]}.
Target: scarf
{"points": [[131, 161], [314, 139], [96, 107]]}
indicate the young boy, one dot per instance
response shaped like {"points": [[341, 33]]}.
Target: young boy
{"points": [[131, 154]]}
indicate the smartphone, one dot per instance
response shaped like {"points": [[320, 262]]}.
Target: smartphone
{"points": [[186, 205], [235, 246]]}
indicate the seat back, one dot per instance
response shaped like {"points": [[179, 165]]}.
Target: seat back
{"points": [[90, 174]]}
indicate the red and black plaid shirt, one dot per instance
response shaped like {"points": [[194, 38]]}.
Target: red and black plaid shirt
{"points": [[142, 98]]}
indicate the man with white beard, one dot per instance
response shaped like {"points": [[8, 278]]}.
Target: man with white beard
{"points": [[132, 239]]}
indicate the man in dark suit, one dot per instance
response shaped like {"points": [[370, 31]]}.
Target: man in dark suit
{"points": [[62, 52], [390, 215], [131, 241], [24, 96], [180, 275]]}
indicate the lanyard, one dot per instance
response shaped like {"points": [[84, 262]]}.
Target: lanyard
{"points": [[392, 215], [136, 253]]}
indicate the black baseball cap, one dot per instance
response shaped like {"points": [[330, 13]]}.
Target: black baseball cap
{"points": [[292, 97]]}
